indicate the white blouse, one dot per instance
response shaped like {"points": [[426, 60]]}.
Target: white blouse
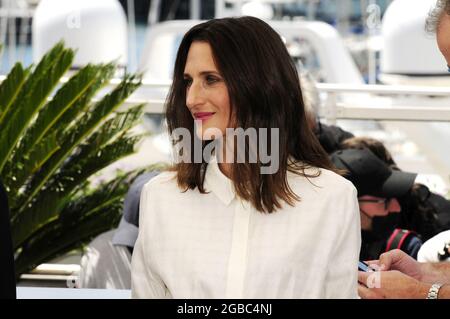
{"points": [[214, 245]]}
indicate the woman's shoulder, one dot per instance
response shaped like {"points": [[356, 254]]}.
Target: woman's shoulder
{"points": [[335, 179], [322, 178], [164, 180]]}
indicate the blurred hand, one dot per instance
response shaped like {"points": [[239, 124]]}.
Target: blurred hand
{"points": [[398, 260], [390, 285]]}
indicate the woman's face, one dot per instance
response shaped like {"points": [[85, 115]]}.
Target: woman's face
{"points": [[206, 92]]}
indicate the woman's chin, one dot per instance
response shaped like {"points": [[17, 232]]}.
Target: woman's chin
{"points": [[208, 133]]}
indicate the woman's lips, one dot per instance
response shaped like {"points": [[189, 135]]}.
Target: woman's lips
{"points": [[203, 116]]}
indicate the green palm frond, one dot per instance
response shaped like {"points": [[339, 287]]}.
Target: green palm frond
{"points": [[10, 88], [101, 211], [51, 149], [120, 123], [40, 86], [72, 115], [49, 117], [85, 126], [102, 147], [33, 161], [46, 207]]}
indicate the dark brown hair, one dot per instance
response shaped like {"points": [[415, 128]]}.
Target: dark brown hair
{"points": [[374, 145], [264, 91]]}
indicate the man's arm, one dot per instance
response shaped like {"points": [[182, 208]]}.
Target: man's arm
{"points": [[436, 272], [423, 272], [395, 285]]}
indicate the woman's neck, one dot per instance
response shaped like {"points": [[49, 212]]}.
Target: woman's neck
{"points": [[226, 162], [225, 168]]}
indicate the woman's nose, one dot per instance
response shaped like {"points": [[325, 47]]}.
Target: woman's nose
{"points": [[194, 95]]}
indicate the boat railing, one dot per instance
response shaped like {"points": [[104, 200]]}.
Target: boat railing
{"points": [[421, 104], [385, 102]]}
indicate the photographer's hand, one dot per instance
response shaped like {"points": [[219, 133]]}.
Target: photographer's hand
{"points": [[425, 272], [398, 260], [390, 285]]}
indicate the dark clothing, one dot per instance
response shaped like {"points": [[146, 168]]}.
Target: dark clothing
{"points": [[442, 207], [127, 232], [7, 273], [372, 247], [331, 136], [424, 212], [132, 199]]}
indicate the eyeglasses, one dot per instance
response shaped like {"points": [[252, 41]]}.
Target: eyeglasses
{"points": [[385, 201]]}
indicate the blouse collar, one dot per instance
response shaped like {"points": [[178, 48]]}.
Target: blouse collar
{"points": [[218, 183]]}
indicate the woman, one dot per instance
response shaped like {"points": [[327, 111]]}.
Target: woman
{"points": [[215, 229]]}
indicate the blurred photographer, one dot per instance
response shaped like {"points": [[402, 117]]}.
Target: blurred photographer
{"points": [[378, 189], [422, 211]]}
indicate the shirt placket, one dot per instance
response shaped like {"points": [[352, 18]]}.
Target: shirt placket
{"points": [[238, 254]]}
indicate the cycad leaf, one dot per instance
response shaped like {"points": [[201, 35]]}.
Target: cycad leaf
{"points": [[101, 197], [31, 163], [9, 89], [54, 197], [119, 124], [86, 217], [41, 153], [105, 146], [41, 71], [85, 127], [69, 118], [60, 241], [103, 157], [48, 59], [31, 104], [49, 151], [46, 206], [66, 97]]}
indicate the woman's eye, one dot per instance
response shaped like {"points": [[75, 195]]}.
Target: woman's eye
{"points": [[211, 79], [187, 82]]}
